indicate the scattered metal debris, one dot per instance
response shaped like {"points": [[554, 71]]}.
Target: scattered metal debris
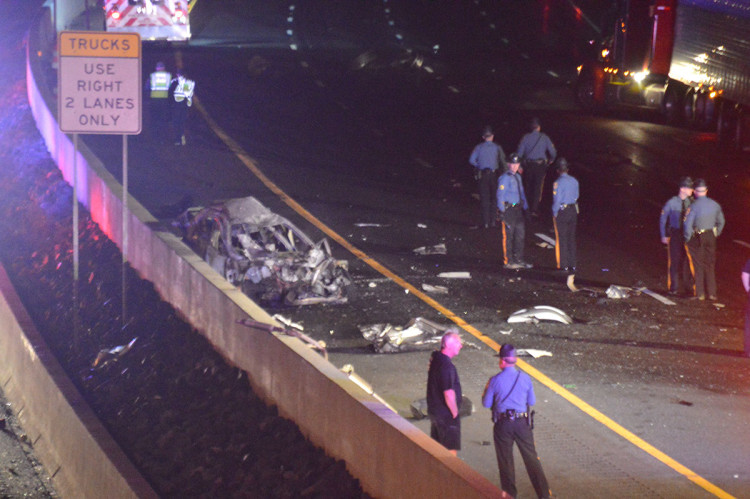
{"points": [[107, 355], [419, 408], [264, 254], [656, 296], [540, 313], [418, 334], [438, 290], [455, 275], [618, 292], [438, 249], [546, 239], [348, 369], [290, 329]]}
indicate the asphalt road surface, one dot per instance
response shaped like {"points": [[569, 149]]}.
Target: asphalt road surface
{"points": [[366, 112]]}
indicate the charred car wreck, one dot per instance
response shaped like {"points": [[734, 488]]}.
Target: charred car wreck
{"points": [[264, 254]]}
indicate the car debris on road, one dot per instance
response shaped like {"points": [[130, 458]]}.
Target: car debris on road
{"points": [[540, 313], [418, 334], [264, 254]]}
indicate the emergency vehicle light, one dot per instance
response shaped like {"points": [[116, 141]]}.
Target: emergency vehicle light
{"points": [[114, 13]]}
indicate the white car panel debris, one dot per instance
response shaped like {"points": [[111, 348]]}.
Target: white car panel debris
{"points": [[540, 313], [438, 249], [455, 275]]}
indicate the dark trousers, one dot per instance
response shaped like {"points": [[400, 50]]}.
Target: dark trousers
{"points": [[179, 117], [487, 196], [533, 179], [446, 432], [159, 113], [505, 433], [679, 278], [565, 235], [514, 234], [702, 252]]}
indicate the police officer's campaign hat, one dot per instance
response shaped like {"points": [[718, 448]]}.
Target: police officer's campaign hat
{"points": [[700, 184], [514, 158], [507, 352], [562, 165], [686, 182], [487, 131], [534, 123]]}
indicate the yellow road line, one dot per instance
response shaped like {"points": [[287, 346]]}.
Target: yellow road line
{"points": [[532, 371]]}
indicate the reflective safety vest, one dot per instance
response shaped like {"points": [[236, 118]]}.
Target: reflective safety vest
{"points": [[184, 90], [160, 84]]}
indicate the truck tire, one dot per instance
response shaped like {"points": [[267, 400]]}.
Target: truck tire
{"points": [[672, 107], [688, 108], [742, 130], [726, 119], [586, 94], [705, 111]]}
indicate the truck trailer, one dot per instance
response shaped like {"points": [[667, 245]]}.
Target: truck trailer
{"points": [[687, 59]]}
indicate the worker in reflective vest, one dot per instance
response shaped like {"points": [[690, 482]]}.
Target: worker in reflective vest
{"points": [[181, 91], [158, 87]]}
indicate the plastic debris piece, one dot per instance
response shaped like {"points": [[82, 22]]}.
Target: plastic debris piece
{"points": [[348, 369], [506, 332], [438, 249], [438, 290], [422, 226], [365, 224], [107, 355], [546, 239], [534, 353], [455, 275], [540, 313]]}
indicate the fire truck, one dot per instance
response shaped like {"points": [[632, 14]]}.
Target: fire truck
{"points": [[687, 59], [152, 19]]}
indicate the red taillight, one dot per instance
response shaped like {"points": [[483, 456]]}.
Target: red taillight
{"points": [[115, 14]]}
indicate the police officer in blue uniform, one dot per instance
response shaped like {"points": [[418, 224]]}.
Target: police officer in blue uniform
{"points": [[679, 279], [565, 217], [511, 201], [536, 151], [703, 224], [487, 158], [510, 396]]}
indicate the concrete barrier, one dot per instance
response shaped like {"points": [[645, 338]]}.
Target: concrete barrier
{"points": [[389, 456], [74, 447]]}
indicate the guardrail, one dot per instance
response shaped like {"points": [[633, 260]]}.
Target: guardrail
{"points": [[389, 455]]}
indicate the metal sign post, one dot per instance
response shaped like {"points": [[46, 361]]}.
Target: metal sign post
{"points": [[99, 92]]}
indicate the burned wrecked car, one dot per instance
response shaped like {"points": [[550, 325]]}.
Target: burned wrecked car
{"points": [[264, 254]]}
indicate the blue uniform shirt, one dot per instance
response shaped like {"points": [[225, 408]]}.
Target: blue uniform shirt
{"points": [[704, 214], [671, 215], [564, 192], [510, 190], [487, 155], [520, 399], [537, 145]]}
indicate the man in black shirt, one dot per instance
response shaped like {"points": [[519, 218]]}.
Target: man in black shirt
{"points": [[444, 393]]}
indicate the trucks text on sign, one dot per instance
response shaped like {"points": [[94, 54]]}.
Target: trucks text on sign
{"points": [[99, 83]]}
